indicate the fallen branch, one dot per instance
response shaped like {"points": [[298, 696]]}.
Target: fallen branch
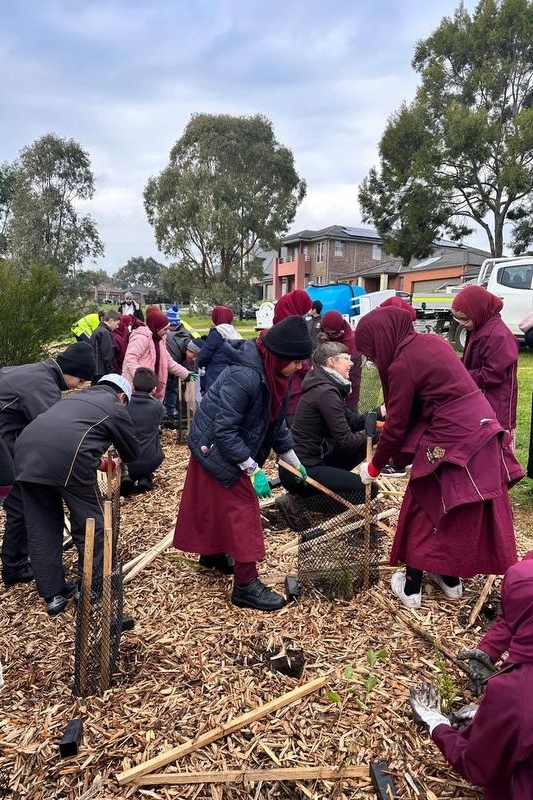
{"points": [[220, 731], [254, 775]]}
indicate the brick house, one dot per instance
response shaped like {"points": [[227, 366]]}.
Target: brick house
{"points": [[354, 255]]}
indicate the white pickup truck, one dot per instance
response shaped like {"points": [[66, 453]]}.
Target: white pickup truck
{"points": [[510, 279]]}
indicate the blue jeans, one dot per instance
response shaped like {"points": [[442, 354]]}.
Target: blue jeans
{"points": [[171, 395]]}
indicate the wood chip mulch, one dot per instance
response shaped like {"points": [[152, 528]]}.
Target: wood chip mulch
{"points": [[194, 661]]}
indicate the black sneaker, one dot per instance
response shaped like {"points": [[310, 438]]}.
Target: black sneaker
{"points": [[219, 562], [390, 471], [145, 484], [258, 596], [23, 575], [126, 486], [55, 605]]}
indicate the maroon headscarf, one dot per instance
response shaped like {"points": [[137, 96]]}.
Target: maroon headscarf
{"points": [[121, 336], [517, 609], [338, 330], [156, 321], [399, 302], [222, 315], [478, 304], [292, 304], [380, 335], [277, 383]]}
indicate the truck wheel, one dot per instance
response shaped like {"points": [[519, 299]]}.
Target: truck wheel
{"points": [[457, 335]]}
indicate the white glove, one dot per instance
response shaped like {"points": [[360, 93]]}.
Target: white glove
{"points": [[366, 478], [464, 715], [425, 704], [291, 458]]}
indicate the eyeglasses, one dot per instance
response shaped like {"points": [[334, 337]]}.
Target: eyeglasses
{"points": [[462, 320], [345, 356]]}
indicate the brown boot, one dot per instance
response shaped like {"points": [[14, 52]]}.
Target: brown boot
{"points": [[293, 511]]}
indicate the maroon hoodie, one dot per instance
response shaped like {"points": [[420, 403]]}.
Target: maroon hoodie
{"points": [[495, 750]]}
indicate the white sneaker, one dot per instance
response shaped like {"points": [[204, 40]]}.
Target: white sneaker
{"points": [[397, 583], [452, 592]]}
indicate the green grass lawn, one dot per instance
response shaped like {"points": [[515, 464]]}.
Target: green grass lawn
{"points": [[523, 492]]}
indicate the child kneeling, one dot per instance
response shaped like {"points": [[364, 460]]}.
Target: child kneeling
{"points": [[146, 413]]}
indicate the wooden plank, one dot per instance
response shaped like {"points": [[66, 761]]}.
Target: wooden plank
{"points": [[221, 730], [481, 599], [85, 602], [254, 775], [106, 597]]}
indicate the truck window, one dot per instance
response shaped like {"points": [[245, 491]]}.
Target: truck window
{"points": [[518, 277]]}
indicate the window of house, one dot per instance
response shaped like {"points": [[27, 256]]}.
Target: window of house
{"points": [[339, 249], [306, 252], [376, 252], [318, 280], [319, 252]]}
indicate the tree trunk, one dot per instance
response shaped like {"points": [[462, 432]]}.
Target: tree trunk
{"points": [[499, 220]]}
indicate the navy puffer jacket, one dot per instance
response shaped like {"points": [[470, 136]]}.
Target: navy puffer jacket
{"points": [[232, 421]]}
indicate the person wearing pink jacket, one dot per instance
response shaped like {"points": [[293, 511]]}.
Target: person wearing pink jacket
{"points": [[146, 348]]}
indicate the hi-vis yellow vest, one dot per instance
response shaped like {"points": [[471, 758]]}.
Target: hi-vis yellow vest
{"points": [[87, 324]]}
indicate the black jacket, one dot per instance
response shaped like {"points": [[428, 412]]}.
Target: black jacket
{"points": [[232, 421], [177, 342], [322, 420], [64, 445], [25, 392], [146, 413], [103, 349]]}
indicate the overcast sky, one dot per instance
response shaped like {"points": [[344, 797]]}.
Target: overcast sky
{"points": [[123, 77]]}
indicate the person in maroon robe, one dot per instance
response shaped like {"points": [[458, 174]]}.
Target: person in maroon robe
{"points": [[296, 303], [491, 352], [337, 329], [495, 750], [241, 417], [455, 520]]}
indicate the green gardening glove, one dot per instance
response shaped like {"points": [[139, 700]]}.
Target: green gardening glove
{"points": [[192, 376], [303, 473], [260, 483]]}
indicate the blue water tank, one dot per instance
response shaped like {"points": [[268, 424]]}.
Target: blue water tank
{"points": [[342, 297]]}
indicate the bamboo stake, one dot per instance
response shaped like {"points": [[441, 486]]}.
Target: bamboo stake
{"points": [[326, 526], [106, 597], [481, 599], [327, 537], [221, 730], [253, 775], [85, 602], [368, 503], [131, 563], [149, 556]]}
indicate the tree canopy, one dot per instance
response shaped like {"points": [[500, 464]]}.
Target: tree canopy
{"points": [[229, 185], [51, 177], [142, 272], [462, 151]]}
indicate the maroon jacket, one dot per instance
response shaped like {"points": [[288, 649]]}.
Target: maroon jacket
{"points": [[495, 750], [491, 357]]}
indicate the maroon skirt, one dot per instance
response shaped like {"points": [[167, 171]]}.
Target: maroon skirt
{"points": [[213, 518], [473, 539]]}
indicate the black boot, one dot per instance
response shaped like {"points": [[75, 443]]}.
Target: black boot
{"points": [[146, 483], [219, 562], [292, 510], [257, 595]]}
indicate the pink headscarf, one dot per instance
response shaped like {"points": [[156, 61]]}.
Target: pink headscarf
{"points": [[478, 304], [292, 304], [222, 315]]}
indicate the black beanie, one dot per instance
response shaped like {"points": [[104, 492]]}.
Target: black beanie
{"points": [[289, 339], [78, 360], [318, 306]]}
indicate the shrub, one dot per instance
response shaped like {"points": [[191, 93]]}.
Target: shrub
{"points": [[31, 314]]}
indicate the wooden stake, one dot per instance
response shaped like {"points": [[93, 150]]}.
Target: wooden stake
{"points": [[221, 730], [106, 597], [481, 599], [368, 503], [316, 485], [254, 775], [149, 556], [85, 602]]}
